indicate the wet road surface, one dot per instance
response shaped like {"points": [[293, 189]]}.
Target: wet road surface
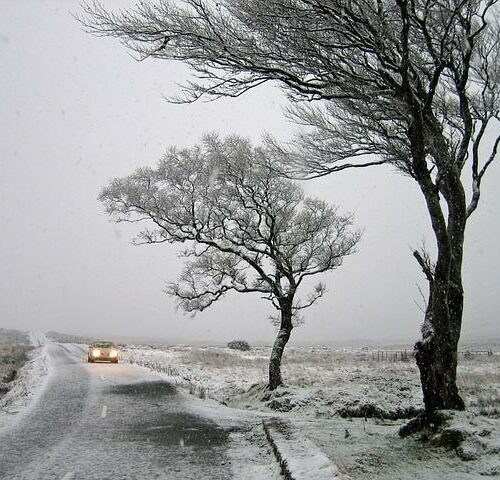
{"points": [[106, 421]]}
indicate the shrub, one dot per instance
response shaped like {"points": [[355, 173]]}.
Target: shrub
{"points": [[242, 345]]}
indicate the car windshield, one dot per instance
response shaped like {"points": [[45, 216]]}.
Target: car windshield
{"points": [[103, 344]]}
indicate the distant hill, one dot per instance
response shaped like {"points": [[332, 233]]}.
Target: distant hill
{"points": [[68, 338], [467, 342]]}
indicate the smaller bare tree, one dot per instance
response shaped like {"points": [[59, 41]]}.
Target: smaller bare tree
{"points": [[248, 229]]}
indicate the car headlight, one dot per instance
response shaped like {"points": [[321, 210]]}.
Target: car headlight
{"points": [[96, 352], [113, 353]]}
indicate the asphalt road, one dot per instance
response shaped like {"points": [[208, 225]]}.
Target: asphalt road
{"points": [[105, 421]]}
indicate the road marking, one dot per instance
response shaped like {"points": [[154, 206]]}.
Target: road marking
{"points": [[101, 376], [104, 411], [68, 476]]}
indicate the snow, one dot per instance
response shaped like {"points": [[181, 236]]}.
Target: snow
{"points": [[37, 339], [246, 456], [29, 383], [248, 451], [345, 401], [298, 456], [326, 382], [349, 404]]}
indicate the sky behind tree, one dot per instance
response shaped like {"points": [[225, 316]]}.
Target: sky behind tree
{"points": [[78, 111]]}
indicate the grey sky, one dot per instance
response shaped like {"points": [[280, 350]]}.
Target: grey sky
{"points": [[77, 111]]}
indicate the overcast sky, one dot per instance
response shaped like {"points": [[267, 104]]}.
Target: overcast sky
{"points": [[77, 110]]}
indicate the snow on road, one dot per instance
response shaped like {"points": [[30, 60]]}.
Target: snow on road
{"points": [[94, 421]]}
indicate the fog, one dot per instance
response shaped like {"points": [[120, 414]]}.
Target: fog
{"points": [[78, 110]]}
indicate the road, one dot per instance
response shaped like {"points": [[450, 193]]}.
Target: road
{"points": [[105, 421]]}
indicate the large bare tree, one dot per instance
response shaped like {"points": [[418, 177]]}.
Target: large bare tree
{"points": [[248, 229], [412, 83]]}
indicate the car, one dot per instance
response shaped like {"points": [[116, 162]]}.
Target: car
{"points": [[102, 352]]}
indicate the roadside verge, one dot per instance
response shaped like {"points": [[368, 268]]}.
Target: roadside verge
{"points": [[300, 459], [28, 383]]}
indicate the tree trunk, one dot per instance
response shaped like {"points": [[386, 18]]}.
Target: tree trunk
{"points": [[275, 379], [437, 352]]}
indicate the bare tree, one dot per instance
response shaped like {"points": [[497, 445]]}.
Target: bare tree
{"points": [[412, 83], [248, 229]]}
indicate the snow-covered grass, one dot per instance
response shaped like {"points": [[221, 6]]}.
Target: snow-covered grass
{"points": [[350, 402], [479, 383], [12, 357], [28, 381], [14, 349], [321, 381]]}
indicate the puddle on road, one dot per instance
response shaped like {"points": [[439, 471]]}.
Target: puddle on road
{"points": [[159, 424], [174, 428], [150, 390], [150, 416]]}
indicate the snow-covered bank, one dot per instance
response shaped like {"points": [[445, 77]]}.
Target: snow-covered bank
{"points": [[350, 403], [298, 456], [28, 384]]}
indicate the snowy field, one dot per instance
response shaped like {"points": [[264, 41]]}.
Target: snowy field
{"points": [[351, 403]]}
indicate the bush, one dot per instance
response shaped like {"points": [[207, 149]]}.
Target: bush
{"points": [[242, 345]]}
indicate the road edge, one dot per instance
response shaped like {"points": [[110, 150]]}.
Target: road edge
{"points": [[299, 457]]}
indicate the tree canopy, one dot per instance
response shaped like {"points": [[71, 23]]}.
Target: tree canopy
{"points": [[375, 66], [247, 228], [251, 230]]}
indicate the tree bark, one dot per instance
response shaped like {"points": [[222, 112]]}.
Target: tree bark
{"points": [[275, 379], [437, 352], [436, 355]]}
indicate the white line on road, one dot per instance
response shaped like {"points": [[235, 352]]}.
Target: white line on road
{"points": [[68, 476], [104, 411]]}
